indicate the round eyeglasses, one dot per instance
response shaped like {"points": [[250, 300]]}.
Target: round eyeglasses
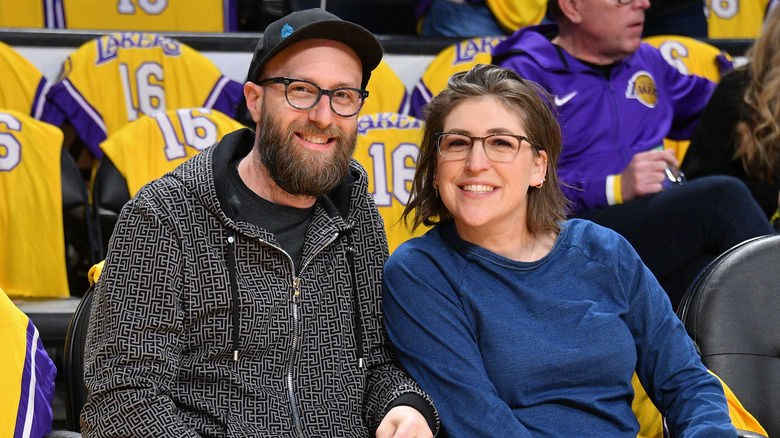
{"points": [[303, 95], [499, 148]]}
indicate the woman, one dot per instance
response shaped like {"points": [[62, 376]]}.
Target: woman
{"points": [[739, 130], [517, 322]]}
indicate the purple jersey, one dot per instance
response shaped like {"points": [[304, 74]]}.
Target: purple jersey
{"points": [[605, 121]]}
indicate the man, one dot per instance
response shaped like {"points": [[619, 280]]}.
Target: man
{"points": [[240, 295], [618, 99]]}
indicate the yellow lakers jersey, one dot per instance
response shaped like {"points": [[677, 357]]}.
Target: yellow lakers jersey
{"points": [[32, 241], [27, 13], [27, 380], [736, 18], [691, 57], [138, 15], [651, 423], [453, 59], [388, 145], [512, 15], [151, 146], [23, 87], [386, 92], [114, 79]]}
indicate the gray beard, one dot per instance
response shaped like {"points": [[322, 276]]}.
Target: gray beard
{"points": [[298, 171]]}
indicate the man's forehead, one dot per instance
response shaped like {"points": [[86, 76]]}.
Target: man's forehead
{"points": [[304, 54]]}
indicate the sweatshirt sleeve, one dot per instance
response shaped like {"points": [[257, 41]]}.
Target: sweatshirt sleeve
{"points": [[436, 344], [134, 343], [691, 399]]}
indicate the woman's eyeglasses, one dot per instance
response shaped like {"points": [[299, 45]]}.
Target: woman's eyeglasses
{"points": [[499, 148]]}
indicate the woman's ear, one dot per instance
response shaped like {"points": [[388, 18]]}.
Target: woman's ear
{"points": [[540, 166]]}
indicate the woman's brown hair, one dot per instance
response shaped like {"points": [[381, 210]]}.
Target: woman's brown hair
{"points": [[546, 205]]}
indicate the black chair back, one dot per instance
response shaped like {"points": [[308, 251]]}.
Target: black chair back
{"points": [[73, 363], [732, 312], [81, 245], [109, 194]]}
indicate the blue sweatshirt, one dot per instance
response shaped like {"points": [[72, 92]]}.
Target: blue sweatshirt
{"points": [[605, 121], [546, 348]]}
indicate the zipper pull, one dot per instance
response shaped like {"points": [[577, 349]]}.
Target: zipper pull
{"points": [[296, 289]]}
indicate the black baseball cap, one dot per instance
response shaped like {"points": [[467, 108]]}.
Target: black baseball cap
{"points": [[315, 23]]}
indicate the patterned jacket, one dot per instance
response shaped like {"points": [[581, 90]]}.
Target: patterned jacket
{"points": [[201, 326]]}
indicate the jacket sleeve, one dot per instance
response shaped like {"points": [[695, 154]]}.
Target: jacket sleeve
{"points": [[134, 343], [388, 385], [435, 342], [691, 399]]}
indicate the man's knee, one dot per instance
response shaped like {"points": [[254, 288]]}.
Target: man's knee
{"points": [[727, 187], [724, 192]]}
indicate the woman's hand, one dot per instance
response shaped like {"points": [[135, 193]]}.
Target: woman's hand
{"points": [[403, 422]]}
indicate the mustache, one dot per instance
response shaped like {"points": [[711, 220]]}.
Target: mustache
{"points": [[311, 128]]}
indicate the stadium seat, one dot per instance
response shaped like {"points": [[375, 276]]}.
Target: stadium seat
{"points": [[48, 237], [732, 313], [453, 59], [146, 149], [23, 87], [116, 78], [388, 145]]}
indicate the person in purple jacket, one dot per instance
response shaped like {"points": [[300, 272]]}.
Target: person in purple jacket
{"points": [[617, 100]]}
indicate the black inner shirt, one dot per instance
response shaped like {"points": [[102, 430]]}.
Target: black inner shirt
{"points": [[288, 224]]}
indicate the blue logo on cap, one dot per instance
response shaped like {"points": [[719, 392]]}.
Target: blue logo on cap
{"points": [[287, 30]]}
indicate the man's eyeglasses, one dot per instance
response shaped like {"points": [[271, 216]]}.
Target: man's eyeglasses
{"points": [[303, 95], [499, 148]]}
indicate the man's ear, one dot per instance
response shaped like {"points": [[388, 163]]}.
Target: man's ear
{"points": [[253, 94], [571, 9]]}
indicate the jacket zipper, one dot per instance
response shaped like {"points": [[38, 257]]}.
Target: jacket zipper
{"points": [[293, 355], [295, 346], [614, 110]]}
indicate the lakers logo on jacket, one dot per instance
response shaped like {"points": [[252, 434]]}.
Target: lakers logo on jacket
{"points": [[642, 87]]}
